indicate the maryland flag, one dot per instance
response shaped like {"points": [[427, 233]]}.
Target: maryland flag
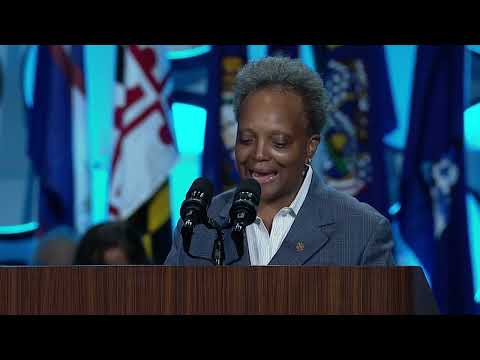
{"points": [[144, 151]]}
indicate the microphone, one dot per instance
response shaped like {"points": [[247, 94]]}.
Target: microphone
{"points": [[194, 208], [244, 210]]}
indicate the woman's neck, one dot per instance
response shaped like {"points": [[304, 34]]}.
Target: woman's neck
{"points": [[267, 210]]}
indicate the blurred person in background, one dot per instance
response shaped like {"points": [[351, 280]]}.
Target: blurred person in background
{"points": [[111, 243], [57, 247]]}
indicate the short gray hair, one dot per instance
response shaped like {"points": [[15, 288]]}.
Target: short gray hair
{"points": [[290, 75]]}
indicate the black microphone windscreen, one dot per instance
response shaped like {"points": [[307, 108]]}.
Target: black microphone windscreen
{"points": [[252, 186], [204, 185]]}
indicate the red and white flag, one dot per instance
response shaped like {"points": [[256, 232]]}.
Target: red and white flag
{"points": [[144, 150]]}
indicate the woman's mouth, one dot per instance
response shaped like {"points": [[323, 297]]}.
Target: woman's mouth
{"points": [[263, 177]]}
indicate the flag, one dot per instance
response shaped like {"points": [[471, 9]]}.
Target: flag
{"points": [[144, 150], [290, 51], [153, 221], [350, 156], [57, 141], [218, 162], [433, 214]]}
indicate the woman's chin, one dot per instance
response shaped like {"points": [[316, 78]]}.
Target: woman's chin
{"points": [[268, 194]]}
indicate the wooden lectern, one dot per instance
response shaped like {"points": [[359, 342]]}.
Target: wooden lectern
{"points": [[164, 290]]}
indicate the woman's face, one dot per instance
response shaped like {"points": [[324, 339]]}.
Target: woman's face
{"points": [[273, 144], [115, 256]]}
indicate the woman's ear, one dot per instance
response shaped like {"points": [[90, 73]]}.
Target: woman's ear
{"points": [[312, 145]]}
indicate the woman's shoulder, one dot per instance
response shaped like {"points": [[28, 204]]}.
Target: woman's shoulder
{"points": [[342, 203]]}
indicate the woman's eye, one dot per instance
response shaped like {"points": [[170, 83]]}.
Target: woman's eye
{"points": [[244, 141], [280, 145]]}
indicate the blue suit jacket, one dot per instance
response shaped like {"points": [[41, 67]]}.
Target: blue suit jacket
{"points": [[331, 229]]}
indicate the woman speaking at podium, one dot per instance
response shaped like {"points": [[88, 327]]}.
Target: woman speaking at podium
{"points": [[280, 106]]}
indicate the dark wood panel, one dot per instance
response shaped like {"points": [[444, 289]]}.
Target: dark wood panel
{"points": [[211, 290]]}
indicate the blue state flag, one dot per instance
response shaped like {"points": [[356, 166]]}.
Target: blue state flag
{"points": [[218, 162], [57, 137], [432, 192], [291, 51], [350, 156]]}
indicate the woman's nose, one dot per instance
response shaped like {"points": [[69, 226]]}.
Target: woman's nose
{"points": [[261, 152]]}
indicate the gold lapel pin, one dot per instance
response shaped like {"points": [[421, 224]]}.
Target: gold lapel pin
{"points": [[300, 246]]}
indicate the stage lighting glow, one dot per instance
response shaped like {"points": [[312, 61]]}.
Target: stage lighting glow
{"points": [[471, 127], [473, 211], [189, 123], [188, 53], [18, 229]]}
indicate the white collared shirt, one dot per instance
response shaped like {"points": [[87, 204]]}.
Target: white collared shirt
{"points": [[263, 246]]}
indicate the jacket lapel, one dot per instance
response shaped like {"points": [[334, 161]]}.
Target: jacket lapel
{"points": [[311, 229]]}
